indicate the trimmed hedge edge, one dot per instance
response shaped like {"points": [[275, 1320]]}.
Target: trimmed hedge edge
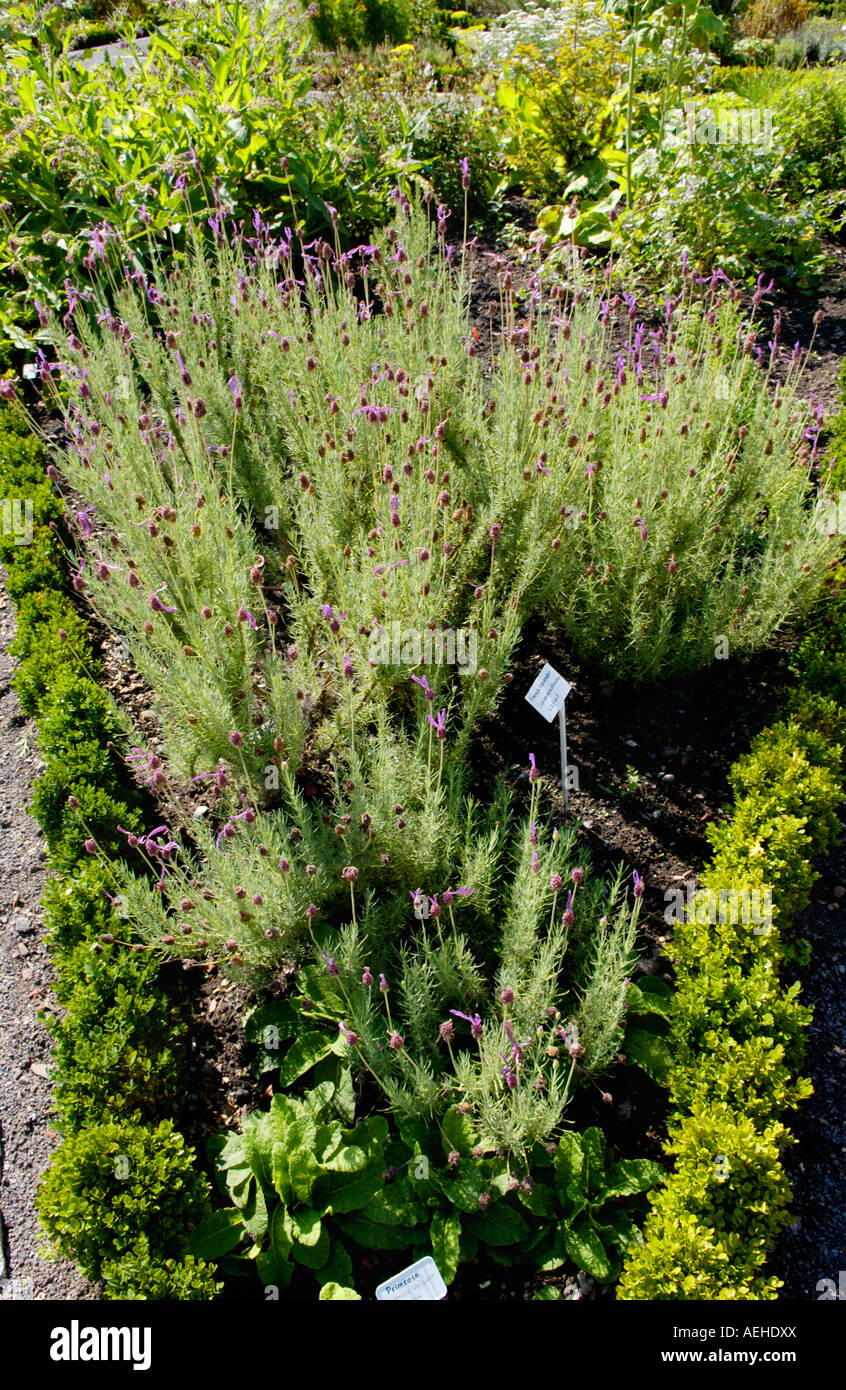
{"points": [[123, 1191], [737, 1026]]}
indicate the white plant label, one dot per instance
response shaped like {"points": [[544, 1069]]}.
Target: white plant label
{"points": [[421, 1281], [548, 693]]}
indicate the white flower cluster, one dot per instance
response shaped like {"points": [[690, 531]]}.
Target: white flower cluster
{"points": [[542, 27]]}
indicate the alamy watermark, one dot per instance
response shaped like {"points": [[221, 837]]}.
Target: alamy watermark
{"points": [[16, 519], [733, 906], [396, 645], [828, 1290], [707, 125]]}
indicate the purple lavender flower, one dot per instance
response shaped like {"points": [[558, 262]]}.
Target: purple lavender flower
{"points": [[219, 775], [84, 523], [638, 884], [156, 603], [425, 687], [474, 1021], [439, 724]]}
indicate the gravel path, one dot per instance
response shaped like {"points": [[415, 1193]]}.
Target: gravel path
{"points": [[26, 1139], [814, 1248]]}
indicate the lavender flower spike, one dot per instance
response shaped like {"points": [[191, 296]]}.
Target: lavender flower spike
{"points": [[475, 1022], [425, 687], [439, 724]]}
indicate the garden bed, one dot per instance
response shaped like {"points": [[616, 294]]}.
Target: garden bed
{"points": [[269, 447]]}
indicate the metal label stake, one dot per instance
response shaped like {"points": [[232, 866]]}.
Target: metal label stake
{"points": [[548, 696], [562, 725]]}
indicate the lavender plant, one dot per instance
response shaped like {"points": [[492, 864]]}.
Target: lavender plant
{"points": [[506, 1040], [369, 467], [280, 451]]}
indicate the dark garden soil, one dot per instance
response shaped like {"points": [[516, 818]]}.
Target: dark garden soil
{"points": [[651, 764]]}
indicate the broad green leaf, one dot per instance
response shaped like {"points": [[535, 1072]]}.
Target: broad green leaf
{"points": [[469, 1246], [650, 1052], [272, 1271], [303, 1054], [254, 1212], [548, 1294], [217, 1234], [593, 1149], [617, 1229], [541, 1201], [347, 1192], [445, 1234], [632, 1175], [336, 1293], [397, 1205], [338, 1268], [457, 1133], [350, 1159], [344, 1097], [269, 1025], [304, 1226], [463, 1186], [499, 1225], [279, 1237], [282, 1173], [227, 1153], [372, 1235], [586, 1250], [568, 1164], [304, 1170], [319, 1097], [650, 996]]}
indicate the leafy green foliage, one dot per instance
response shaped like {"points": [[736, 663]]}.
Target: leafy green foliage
{"points": [[555, 108], [110, 1183], [296, 1176], [594, 1229], [137, 1276], [736, 1028], [356, 24], [221, 94], [720, 204], [117, 1047], [116, 1056], [300, 1182]]}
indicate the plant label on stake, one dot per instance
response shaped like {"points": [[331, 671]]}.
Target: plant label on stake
{"points": [[548, 696], [420, 1281]]}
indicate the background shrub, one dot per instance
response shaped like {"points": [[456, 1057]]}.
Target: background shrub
{"points": [[771, 18], [138, 1276], [112, 1182]]}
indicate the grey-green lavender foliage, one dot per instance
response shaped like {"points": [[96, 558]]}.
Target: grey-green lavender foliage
{"points": [[509, 1046], [286, 457]]}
